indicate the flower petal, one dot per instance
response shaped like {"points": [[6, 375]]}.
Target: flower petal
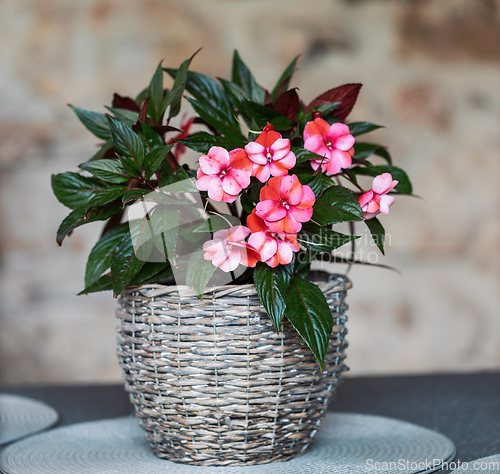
{"points": [[280, 148], [285, 252], [256, 153], [270, 210], [386, 202], [382, 183], [215, 191], [318, 127], [265, 245], [291, 190], [271, 190], [261, 172], [215, 161], [230, 185], [256, 223]]}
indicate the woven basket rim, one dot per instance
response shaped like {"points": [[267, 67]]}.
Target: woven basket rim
{"points": [[338, 280]]}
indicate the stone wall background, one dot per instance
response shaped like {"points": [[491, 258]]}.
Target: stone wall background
{"points": [[431, 74]]}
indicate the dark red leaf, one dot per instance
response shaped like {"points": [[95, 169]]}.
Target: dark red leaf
{"points": [[287, 104], [143, 112], [345, 94], [120, 102]]}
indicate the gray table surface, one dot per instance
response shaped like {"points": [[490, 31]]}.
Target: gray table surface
{"points": [[465, 407]]}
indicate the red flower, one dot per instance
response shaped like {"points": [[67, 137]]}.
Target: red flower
{"points": [[285, 204], [223, 174], [179, 148], [270, 154], [274, 249], [333, 142], [228, 249], [377, 201]]}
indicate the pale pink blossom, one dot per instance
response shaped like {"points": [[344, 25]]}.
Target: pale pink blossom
{"points": [[270, 154], [377, 200], [224, 174], [274, 249], [333, 142], [285, 203], [228, 249]]}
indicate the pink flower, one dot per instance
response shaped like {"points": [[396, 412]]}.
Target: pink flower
{"points": [[228, 249], [285, 204], [223, 174], [334, 142], [274, 249], [377, 201], [270, 154]]}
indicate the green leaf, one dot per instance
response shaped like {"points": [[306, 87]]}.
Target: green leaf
{"points": [[107, 196], [378, 232], [242, 76], [94, 122], [100, 256], [111, 171], [154, 159], [260, 113], [284, 80], [215, 223], [317, 182], [134, 194], [127, 143], [151, 272], [304, 155], [175, 95], [74, 190], [204, 88], [364, 150], [124, 264], [234, 92], [103, 284], [309, 313], [321, 239], [360, 128], [199, 272], [156, 108], [126, 116], [153, 138], [165, 231], [337, 204], [201, 142], [272, 286], [218, 120], [81, 216], [246, 203]]}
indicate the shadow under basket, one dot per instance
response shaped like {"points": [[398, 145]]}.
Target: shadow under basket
{"points": [[212, 381]]}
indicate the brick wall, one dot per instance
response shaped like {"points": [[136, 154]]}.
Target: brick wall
{"points": [[431, 74]]}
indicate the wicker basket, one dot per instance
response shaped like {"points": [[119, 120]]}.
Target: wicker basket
{"points": [[214, 384]]}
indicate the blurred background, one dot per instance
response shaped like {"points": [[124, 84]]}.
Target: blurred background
{"points": [[431, 75]]}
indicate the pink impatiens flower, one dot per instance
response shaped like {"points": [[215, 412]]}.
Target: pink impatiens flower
{"points": [[333, 142], [274, 249], [228, 249], [270, 154], [224, 174], [285, 204], [376, 200]]}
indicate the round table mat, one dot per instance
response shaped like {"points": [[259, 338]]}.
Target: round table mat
{"points": [[346, 444], [490, 465], [21, 416]]}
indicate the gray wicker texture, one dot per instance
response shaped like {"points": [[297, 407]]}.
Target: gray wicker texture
{"points": [[214, 384], [347, 443], [22, 416]]}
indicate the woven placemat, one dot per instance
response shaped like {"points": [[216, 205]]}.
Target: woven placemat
{"points": [[490, 465], [21, 416], [345, 444]]}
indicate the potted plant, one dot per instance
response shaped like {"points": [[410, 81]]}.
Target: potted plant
{"points": [[231, 347]]}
